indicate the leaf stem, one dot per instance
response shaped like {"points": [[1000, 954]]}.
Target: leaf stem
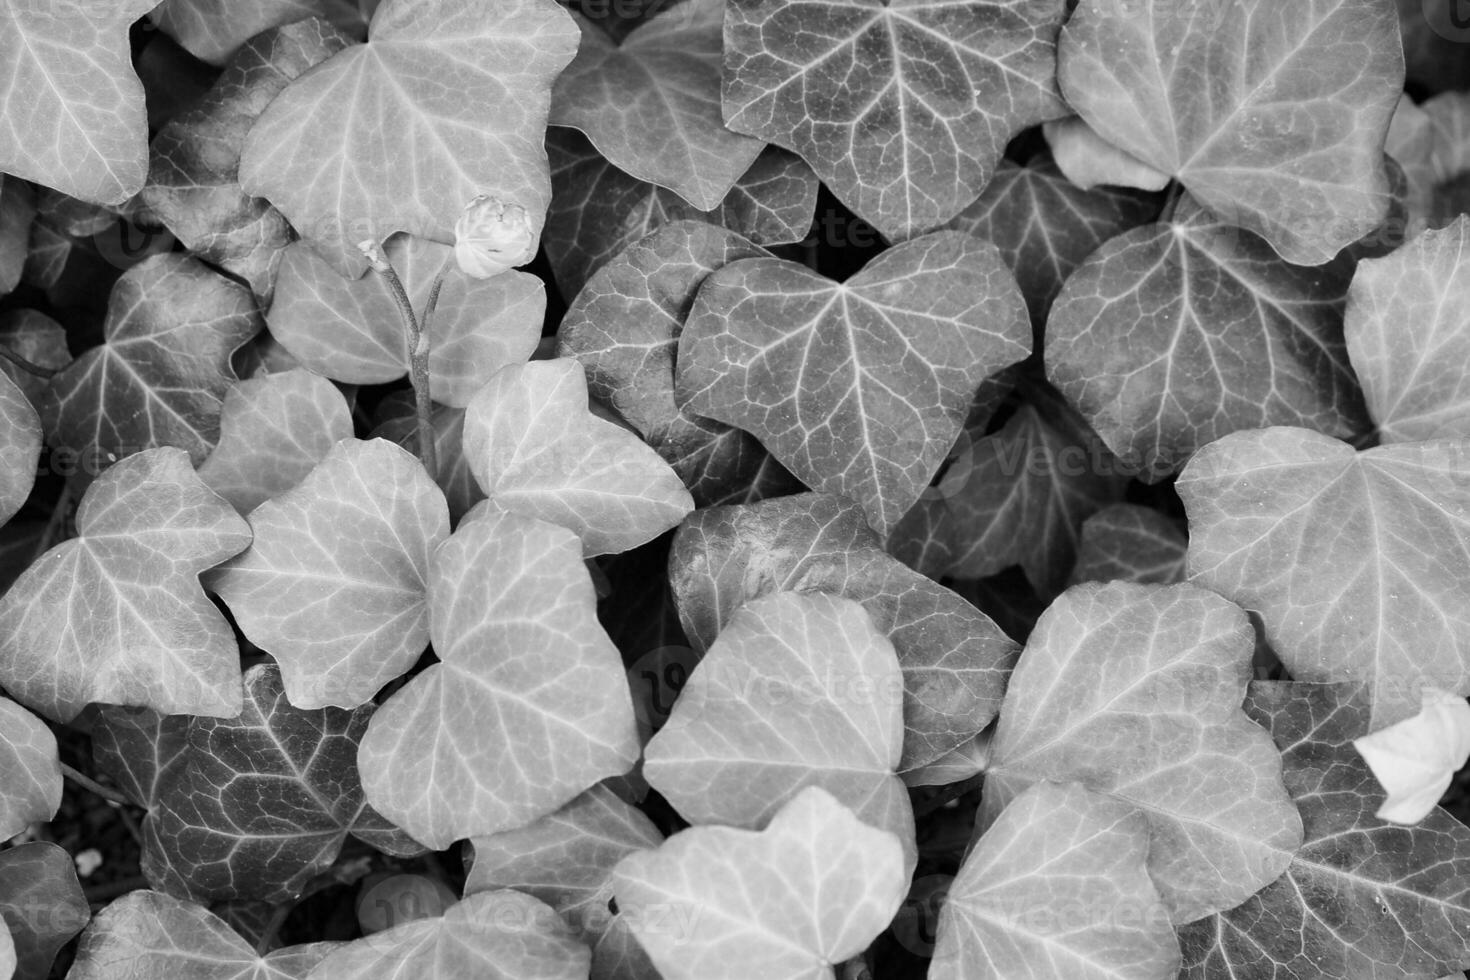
{"points": [[419, 370], [418, 351], [30, 367], [268, 934], [95, 788]]}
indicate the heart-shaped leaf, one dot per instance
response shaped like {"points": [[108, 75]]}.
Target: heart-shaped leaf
{"points": [[1135, 691], [41, 904], [1132, 543], [351, 329], [263, 802], [1215, 94], [30, 770], [1408, 332], [482, 742], [74, 105], [566, 860], [720, 903], [799, 690], [624, 329], [193, 178], [334, 583], [903, 109], [650, 103], [17, 211], [399, 423], [1252, 341], [20, 448], [1362, 897], [597, 210], [1347, 556], [161, 377], [274, 430], [858, 388], [148, 934], [1055, 851], [1044, 225], [492, 934], [214, 30], [455, 97], [1020, 497], [954, 660], [536, 449], [117, 614]]}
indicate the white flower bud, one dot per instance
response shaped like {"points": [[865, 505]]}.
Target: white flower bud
{"points": [[1415, 759], [492, 236]]}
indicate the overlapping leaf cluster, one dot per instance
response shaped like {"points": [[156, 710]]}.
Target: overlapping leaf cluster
{"points": [[775, 573]]}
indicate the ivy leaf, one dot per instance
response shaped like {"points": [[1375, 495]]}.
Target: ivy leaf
{"points": [[215, 30], [954, 660], [1131, 543], [30, 770], [492, 934], [1171, 84], [334, 583], [148, 934], [20, 448], [274, 430], [1020, 497], [1430, 142], [1044, 225], [161, 377], [1055, 848], [903, 109], [734, 752], [42, 905], [117, 613], [1253, 341], [858, 388], [720, 903], [651, 103], [566, 860], [351, 329], [624, 329], [7, 954], [263, 802], [40, 340], [1408, 330], [446, 93], [73, 104], [193, 178], [1135, 691], [17, 211], [597, 210], [1352, 559], [455, 478], [536, 449], [480, 742], [1362, 897]]}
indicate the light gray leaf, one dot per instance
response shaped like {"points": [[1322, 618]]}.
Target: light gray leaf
{"points": [[1135, 692], [1358, 563], [334, 583], [1057, 887], [30, 770], [274, 430]]}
